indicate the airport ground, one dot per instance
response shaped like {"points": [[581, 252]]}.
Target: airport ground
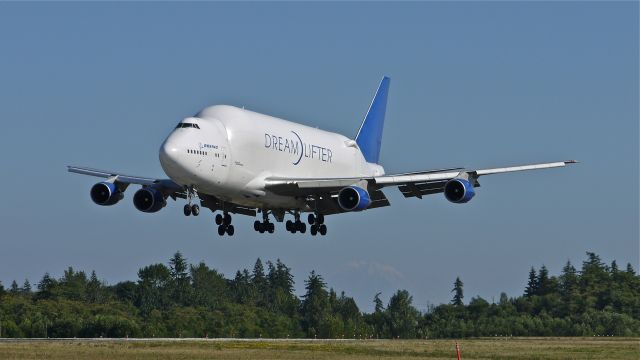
{"points": [[483, 348]]}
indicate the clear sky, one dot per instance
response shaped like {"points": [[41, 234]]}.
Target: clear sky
{"points": [[472, 84]]}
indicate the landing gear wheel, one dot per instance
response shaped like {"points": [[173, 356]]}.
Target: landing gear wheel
{"points": [[187, 210], [320, 219], [219, 219], [221, 230], [256, 225], [289, 226], [195, 210], [227, 219], [230, 230], [301, 227], [314, 230], [261, 228], [311, 219], [323, 230], [271, 228]]}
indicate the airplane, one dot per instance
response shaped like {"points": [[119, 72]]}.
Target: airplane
{"points": [[236, 161]]}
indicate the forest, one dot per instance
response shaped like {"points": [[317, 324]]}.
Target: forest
{"points": [[179, 299]]}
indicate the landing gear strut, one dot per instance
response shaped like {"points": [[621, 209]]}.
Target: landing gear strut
{"points": [[265, 225], [317, 224], [224, 224]]}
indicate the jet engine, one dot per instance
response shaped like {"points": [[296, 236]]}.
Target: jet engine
{"points": [[459, 191], [149, 200], [106, 193], [353, 198]]}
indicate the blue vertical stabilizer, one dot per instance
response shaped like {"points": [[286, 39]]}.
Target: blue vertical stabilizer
{"points": [[369, 136]]}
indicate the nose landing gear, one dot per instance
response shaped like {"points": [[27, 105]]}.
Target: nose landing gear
{"points": [[190, 209]]}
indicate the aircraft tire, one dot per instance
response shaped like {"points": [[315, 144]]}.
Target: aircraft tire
{"points": [[230, 230], [227, 219], [187, 210], [221, 230], [323, 230], [195, 210], [320, 219], [314, 230], [219, 219], [271, 228], [311, 219], [256, 225], [302, 227]]}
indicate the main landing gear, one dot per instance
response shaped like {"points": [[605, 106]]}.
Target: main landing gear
{"points": [[317, 224], [296, 225], [265, 225], [224, 224], [190, 209]]}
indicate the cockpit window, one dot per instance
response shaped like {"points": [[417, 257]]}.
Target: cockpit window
{"points": [[187, 125]]}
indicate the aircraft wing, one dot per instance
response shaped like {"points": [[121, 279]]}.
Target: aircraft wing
{"points": [[415, 184], [167, 186]]}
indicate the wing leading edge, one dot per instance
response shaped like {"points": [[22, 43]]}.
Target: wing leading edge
{"points": [[410, 184], [164, 184]]}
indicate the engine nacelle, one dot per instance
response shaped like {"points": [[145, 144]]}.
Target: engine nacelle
{"points": [[353, 198], [149, 200], [106, 193], [459, 191]]}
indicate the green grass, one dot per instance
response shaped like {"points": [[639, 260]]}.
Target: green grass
{"points": [[509, 348]]}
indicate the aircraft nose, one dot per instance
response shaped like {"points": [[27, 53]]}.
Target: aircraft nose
{"points": [[170, 156]]}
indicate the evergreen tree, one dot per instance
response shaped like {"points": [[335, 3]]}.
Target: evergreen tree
{"points": [[46, 287], [630, 269], [593, 281], [73, 284], [546, 284], [347, 308], [259, 282], [281, 297], [569, 291], [614, 268], [315, 304], [379, 318], [379, 306], [180, 284], [242, 289], [94, 289], [14, 289], [457, 291], [26, 287], [532, 284]]}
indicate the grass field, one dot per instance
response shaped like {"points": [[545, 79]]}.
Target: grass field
{"points": [[511, 348]]}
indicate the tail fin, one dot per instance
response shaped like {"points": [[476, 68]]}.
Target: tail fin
{"points": [[369, 136]]}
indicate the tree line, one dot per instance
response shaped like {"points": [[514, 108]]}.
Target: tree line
{"points": [[179, 299]]}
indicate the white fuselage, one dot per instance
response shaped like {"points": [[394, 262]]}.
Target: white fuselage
{"points": [[232, 151]]}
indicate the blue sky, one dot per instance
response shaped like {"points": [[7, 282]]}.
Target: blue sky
{"points": [[472, 84]]}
